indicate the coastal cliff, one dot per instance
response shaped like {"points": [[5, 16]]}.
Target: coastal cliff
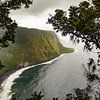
{"points": [[32, 46]]}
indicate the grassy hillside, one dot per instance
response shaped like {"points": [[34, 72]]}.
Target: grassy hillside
{"points": [[32, 46]]}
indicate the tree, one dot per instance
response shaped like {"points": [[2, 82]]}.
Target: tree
{"points": [[82, 24], [35, 96], [6, 23], [96, 4]]}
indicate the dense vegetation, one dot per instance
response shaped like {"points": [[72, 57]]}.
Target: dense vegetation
{"points": [[82, 24], [32, 46], [6, 23]]}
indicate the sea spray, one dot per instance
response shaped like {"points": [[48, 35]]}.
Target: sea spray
{"points": [[5, 93]]}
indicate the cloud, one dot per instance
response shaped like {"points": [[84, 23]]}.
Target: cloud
{"points": [[40, 6], [38, 13]]}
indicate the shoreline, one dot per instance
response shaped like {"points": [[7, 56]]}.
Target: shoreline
{"points": [[6, 89], [7, 80], [7, 74]]}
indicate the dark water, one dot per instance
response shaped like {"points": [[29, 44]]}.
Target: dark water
{"points": [[55, 79]]}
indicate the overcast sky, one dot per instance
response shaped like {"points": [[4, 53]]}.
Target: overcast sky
{"points": [[36, 16]]}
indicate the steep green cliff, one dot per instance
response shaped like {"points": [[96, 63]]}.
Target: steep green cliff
{"points": [[32, 46]]}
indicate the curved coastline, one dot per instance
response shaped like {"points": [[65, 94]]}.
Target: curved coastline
{"points": [[8, 82]]}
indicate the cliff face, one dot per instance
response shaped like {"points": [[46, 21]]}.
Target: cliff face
{"points": [[32, 46]]}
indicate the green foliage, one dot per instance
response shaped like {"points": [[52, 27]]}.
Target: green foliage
{"points": [[97, 4], [6, 23], [82, 24], [36, 96], [78, 94]]}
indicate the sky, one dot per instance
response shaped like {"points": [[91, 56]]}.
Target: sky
{"points": [[36, 16]]}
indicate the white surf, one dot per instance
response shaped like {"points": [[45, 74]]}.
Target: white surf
{"points": [[5, 93]]}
